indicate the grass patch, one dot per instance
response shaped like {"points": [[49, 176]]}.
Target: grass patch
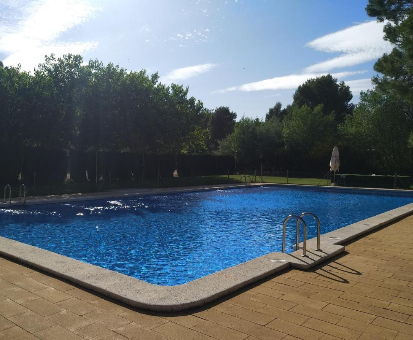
{"points": [[90, 187]]}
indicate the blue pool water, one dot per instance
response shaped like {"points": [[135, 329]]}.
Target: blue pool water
{"points": [[176, 238]]}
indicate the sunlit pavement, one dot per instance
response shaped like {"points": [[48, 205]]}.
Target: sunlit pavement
{"points": [[367, 293]]}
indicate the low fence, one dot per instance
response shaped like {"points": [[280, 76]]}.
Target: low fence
{"points": [[46, 172]]}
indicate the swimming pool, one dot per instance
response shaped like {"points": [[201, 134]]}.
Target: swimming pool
{"points": [[176, 238]]}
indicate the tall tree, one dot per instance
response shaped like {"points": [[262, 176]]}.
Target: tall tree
{"points": [[309, 135], [397, 66], [221, 124], [276, 111], [378, 132], [325, 90], [244, 141]]}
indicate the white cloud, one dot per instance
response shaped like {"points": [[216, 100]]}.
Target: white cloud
{"points": [[356, 86], [34, 28], [359, 43], [283, 83], [187, 72]]}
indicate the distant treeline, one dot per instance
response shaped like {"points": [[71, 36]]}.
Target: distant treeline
{"points": [[101, 110]]}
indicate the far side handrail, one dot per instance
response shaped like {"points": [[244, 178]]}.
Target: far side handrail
{"points": [[24, 193], [5, 192], [299, 219], [318, 226]]}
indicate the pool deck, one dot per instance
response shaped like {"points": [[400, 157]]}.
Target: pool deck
{"points": [[364, 293]]}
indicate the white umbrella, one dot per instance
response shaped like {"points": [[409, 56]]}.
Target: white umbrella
{"points": [[335, 162]]}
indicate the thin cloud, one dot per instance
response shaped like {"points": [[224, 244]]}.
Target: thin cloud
{"points": [[32, 31], [284, 83], [187, 72], [360, 85], [359, 44]]}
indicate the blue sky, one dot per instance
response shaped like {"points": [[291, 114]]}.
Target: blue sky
{"points": [[245, 54]]}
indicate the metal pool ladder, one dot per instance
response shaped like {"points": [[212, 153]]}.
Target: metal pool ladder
{"points": [[5, 192], [24, 193], [300, 219]]}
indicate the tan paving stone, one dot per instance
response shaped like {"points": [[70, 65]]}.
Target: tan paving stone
{"points": [[326, 295], [267, 291], [184, 320], [349, 313], [57, 332], [333, 330], [5, 285], [143, 320], [329, 337], [10, 308], [107, 319], [295, 330], [365, 300], [95, 331], [282, 288], [42, 307], [77, 306], [244, 326], [82, 294], [260, 317], [112, 336], [372, 329], [401, 308], [257, 301], [268, 300], [407, 294], [218, 331], [52, 294], [394, 325], [16, 267], [29, 284], [16, 333], [403, 336], [304, 301], [68, 320], [19, 295], [51, 281], [316, 314], [365, 308], [11, 277], [4, 323], [404, 302], [30, 321], [135, 332], [109, 306]]}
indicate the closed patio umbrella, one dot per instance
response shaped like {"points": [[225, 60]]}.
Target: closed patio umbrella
{"points": [[335, 162]]}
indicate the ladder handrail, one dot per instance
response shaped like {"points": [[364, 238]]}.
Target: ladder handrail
{"points": [[5, 192], [299, 219], [24, 193], [318, 226]]}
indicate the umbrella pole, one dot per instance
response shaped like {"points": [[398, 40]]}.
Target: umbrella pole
{"points": [[334, 178]]}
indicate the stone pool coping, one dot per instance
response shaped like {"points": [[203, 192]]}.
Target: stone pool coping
{"points": [[196, 293]]}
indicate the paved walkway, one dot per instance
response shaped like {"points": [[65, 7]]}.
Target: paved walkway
{"points": [[364, 294]]}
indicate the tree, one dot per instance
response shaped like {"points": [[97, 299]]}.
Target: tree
{"points": [[309, 134], [221, 124], [270, 141], [277, 112], [244, 141], [197, 142], [396, 67], [326, 91], [378, 133]]}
